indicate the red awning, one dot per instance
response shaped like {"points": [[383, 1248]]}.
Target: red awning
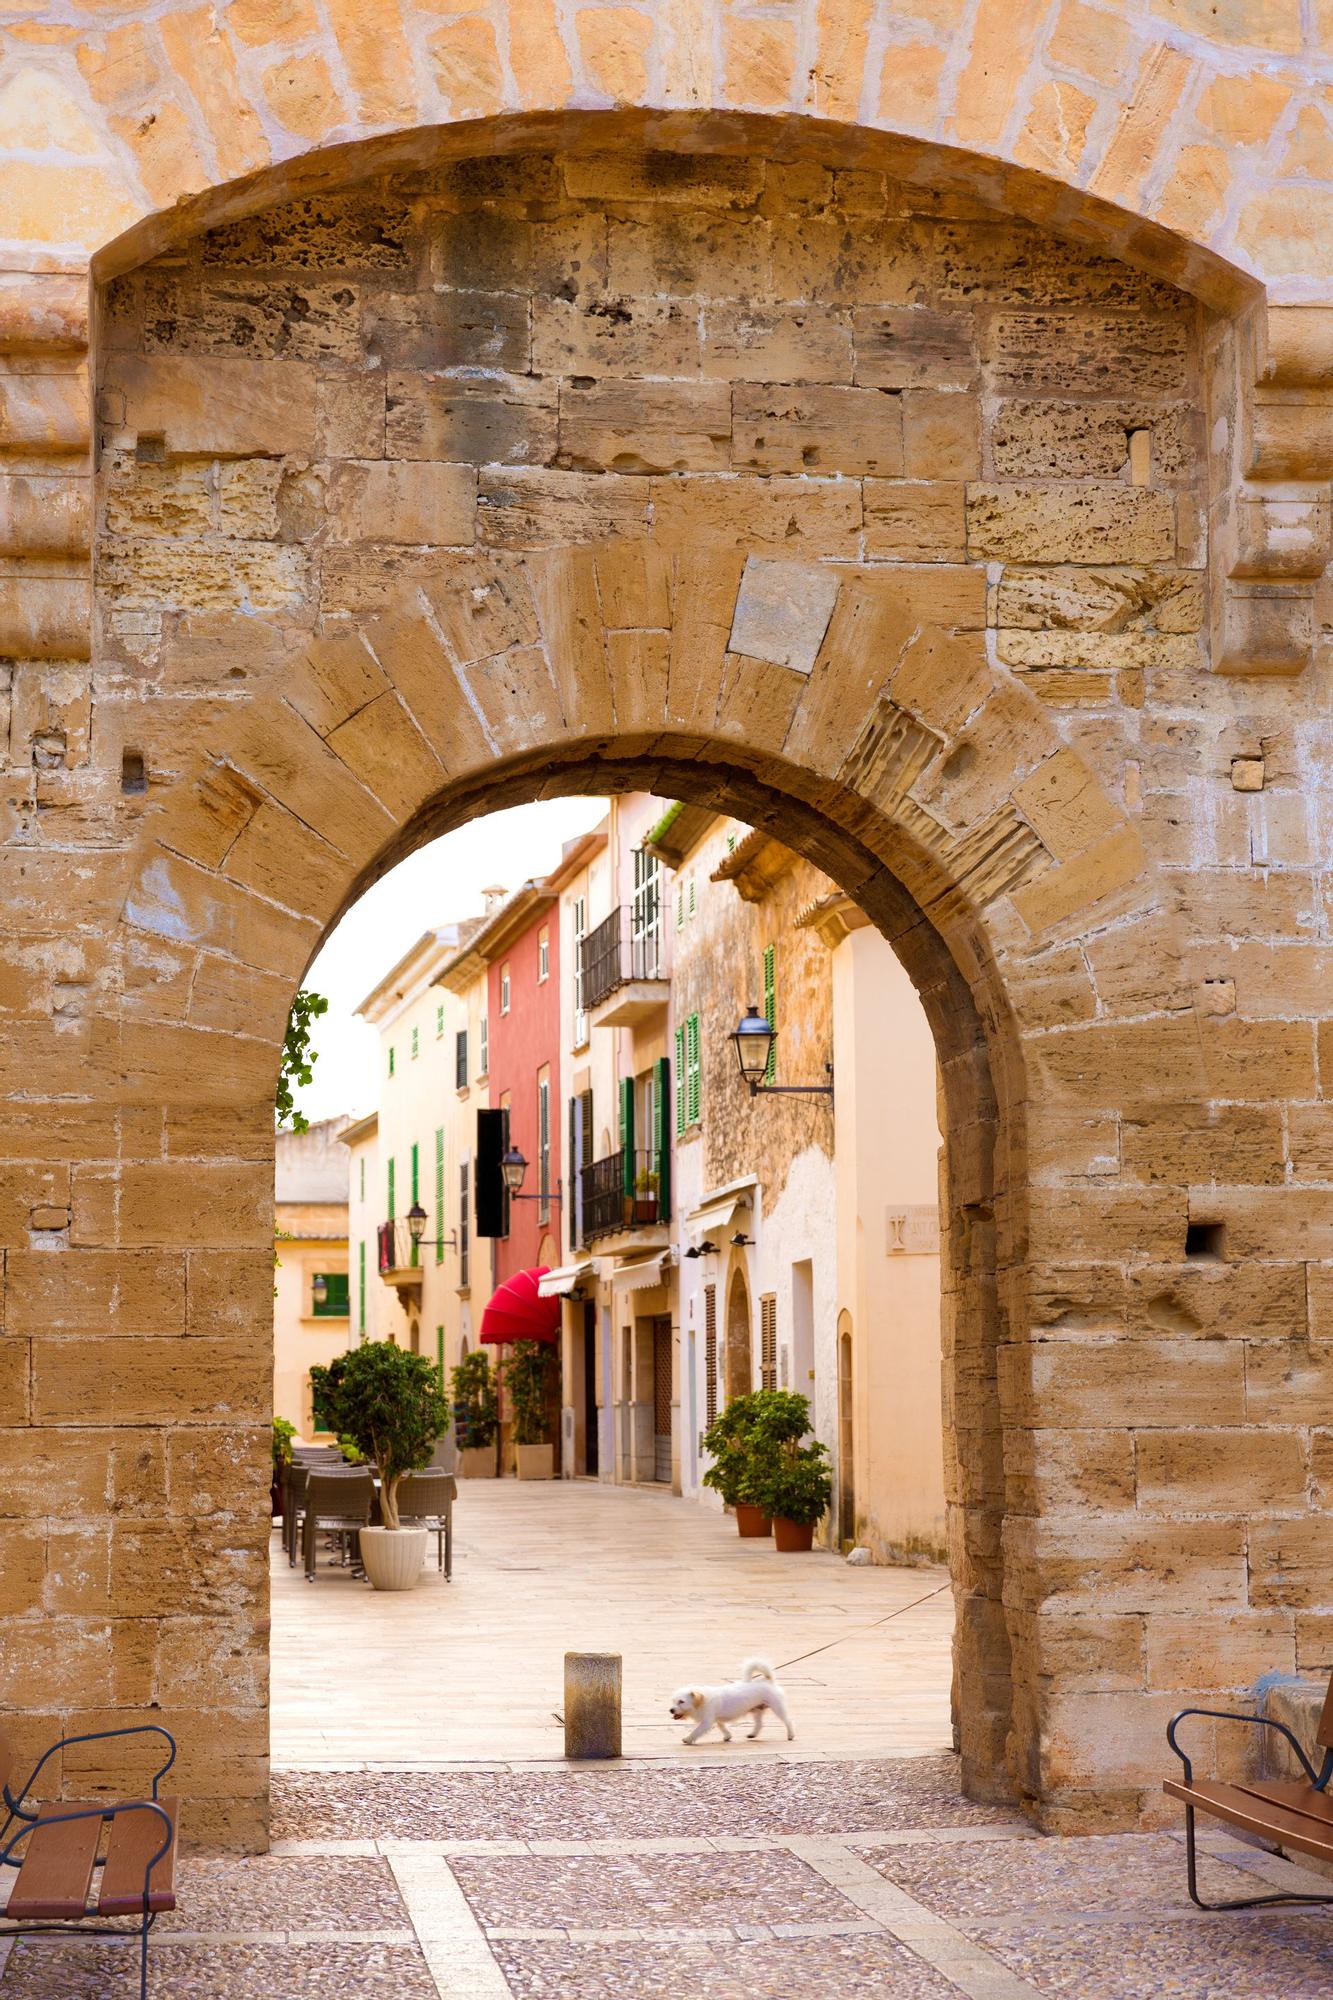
{"points": [[516, 1312]]}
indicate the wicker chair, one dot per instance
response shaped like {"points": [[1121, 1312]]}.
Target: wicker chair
{"points": [[337, 1503], [426, 1499]]}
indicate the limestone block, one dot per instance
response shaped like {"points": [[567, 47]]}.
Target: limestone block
{"points": [[257, 318], [1090, 522], [941, 435], [44, 516], [638, 667], [1064, 354], [219, 1659], [289, 761], [320, 233], [1112, 601], [645, 426], [690, 254], [173, 899], [914, 347], [1087, 1652], [45, 412], [150, 1382], [818, 430], [754, 343], [698, 180], [1231, 1651], [227, 1291], [1282, 538], [523, 508], [634, 585], [1290, 1381], [1216, 1471], [45, 617], [915, 520], [137, 573], [1289, 1564], [221, 408], [1109, 867], [1291, 439], [516, 695], [147, 499], [1266, 632], [108, 1293], [492, 250], [396, 501], [1205, 1142], [1163, 1385], [1125, 1565], [1084, 1469], [798, 517], [1065, 804], [782, 612], [592, 1705], [492, 421], [1058, 440], [349, 416], [273, 848], [388, 753], [22, 1568], [218, 1471], [481, 604], [248, 499]]}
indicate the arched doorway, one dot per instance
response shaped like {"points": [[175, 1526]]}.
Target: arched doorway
{"points": [[356, 657], [846, 1435], [738, 1353]]}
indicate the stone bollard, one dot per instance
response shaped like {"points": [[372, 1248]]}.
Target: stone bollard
{"points": [[592, 1705]]}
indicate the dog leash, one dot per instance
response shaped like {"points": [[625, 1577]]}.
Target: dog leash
{"points": [[871, 1627]]}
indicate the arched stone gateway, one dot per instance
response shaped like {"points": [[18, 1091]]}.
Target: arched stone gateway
{"points": [[811, 485]]}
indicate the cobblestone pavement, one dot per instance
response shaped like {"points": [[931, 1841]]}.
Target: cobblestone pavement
{"points": [[727, 1881]]}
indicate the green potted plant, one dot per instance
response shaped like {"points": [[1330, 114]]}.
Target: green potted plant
{"points": [[476, 1416], [646, 1184], [728, 1442], [283, 1433], [390, 1406], [324, 1385], [525, 1379], [792, 1482]]}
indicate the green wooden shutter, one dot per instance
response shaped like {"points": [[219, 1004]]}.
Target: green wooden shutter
{"points": [[692, 1104], [770, 1008], [390, 1215], [627, 1136], [680, 1081], [439, 1354], [416, 1173], [439, 1194], [662, 1137], [361, 1288]]}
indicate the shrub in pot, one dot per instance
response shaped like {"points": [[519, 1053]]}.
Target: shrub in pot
{"points": [[525, 1379], [390, 1406], [742, 1440], [324, 1386], [792, 1481], [283, 1433], [476, 1415]]}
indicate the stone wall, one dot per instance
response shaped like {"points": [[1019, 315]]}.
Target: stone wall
{"points": [[840, 504]]}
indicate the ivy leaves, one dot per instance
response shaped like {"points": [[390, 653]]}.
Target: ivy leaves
{"points": [[297, 1067]]}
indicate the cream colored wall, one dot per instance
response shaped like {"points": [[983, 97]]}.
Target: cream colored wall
{"points": [[886, 1157], [362, 1218], [299, 1338]]}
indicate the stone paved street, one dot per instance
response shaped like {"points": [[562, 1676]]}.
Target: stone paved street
{"points": [[902, 1889]]}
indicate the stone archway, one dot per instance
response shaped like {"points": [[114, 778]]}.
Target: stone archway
{"points": [[960, 661]]}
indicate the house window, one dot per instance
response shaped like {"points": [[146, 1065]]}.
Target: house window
{"points": [[463, 1241], [439, 1021], [460, 1059], [692, 904], [768, 1341], [646, 917], [771, 1008], [391, 1059], [439, 1194], [390, 1190], [504, 989], [580, 931], [680, 906], [416, 1043], [484, 1045], [544, 1146], [361, 1288], [688, 1069], [543, 957], [333, 1304]]}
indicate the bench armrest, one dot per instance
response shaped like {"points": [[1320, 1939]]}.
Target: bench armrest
{"points": [[1229, 1715], [93, 1736]]}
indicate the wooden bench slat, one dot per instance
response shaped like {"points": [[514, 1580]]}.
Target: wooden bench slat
{"points": [[57, 1865], [1293, 1795], [135, 1839], [1257, 1814]]}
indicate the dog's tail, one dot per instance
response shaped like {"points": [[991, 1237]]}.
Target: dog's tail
{"points": [[757, 1670]]}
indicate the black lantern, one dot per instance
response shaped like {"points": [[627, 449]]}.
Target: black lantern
{"points": [[513, 1167], [416, 1223], [753, 1040], [319, 1290]]}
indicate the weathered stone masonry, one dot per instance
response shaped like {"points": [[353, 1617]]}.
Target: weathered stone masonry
{"points": [[425, 485]]}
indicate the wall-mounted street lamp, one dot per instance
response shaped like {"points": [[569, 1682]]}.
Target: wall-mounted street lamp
{"points": [[740, 1241], [705, 1249], [754, 1041], [416, 1229], [513, 1168], [319, 1290]]}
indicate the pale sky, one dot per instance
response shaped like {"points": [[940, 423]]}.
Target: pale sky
{"points": [[438, 883]]}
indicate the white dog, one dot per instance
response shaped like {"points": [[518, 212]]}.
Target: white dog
{"points": [[752, 1694]]}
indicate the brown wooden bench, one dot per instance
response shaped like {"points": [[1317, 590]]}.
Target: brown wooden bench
{"points": [[1294, 1813], [56, 1848]]}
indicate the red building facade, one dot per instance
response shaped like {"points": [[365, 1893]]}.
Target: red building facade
{"points": [[523, 1007]]}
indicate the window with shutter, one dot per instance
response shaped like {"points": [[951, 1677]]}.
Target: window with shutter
{"points": [[627, 1136], [463, 1220], [484, 1044], [333, 1305], [680, 1081], [416, 1043], [710, 1353], [771, 1008], [692, 1070], [768, 1341], [390, 1191], [662, 1135], [416, 1174], [361, 1289], [439, 1194], [460, 1059]]}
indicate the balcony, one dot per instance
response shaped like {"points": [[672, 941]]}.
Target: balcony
{"points": [[399, 1257], [622, 1192], [622, 972]]}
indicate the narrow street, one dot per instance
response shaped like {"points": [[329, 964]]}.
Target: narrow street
{"points": [[472, 1671]]}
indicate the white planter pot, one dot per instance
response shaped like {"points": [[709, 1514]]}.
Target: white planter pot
{"points": [[534, 1461], [392, 1557]]}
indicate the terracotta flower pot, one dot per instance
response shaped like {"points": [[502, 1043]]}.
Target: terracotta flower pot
{"points": [[751, 1522], [392, 1557], [793, 1537]]}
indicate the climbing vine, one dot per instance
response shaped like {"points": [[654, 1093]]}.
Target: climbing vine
{"points": [[298, 1058]]}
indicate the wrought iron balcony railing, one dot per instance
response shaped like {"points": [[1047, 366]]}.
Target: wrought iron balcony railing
{"points": [[397, 1251], [618, 952], [622, 1191]]}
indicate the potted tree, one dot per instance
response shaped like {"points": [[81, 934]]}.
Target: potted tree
{"points": [[525, 1379], [283, 1433], [646, 1184], [728, 1441], [789, 1478], [476, 1416], [390, 1405]]}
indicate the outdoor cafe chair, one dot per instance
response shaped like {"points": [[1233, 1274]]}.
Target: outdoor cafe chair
{"points": [[427, 1500], [337, 1503]]}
